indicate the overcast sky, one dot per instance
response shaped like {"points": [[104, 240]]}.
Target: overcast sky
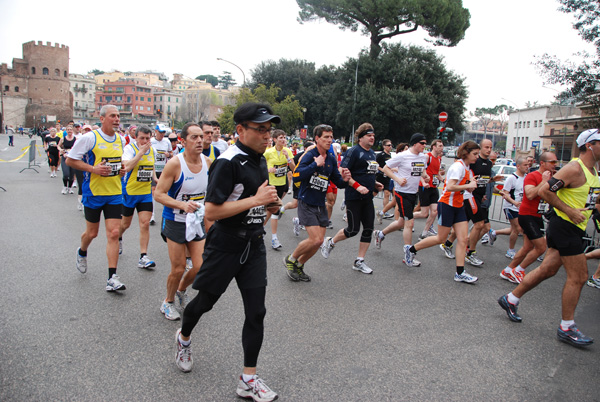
{"points": [[187, 37]]}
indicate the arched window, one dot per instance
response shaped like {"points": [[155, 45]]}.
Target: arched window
{"points": [[16, 89], [45, 71], [57, 72], [65, 74], [6, 88], [32, 70]]}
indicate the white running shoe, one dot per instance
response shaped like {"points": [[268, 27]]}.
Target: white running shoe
{"points": [[510, 254], [378, 239], [296, 223], [74, 185], [485, 239], [326, 247], [81, 262], [146, 263], [79, 206], [255, 389], [181, 300], [65, 190], [183, 357], [276, 244], [473, 260], [152, 221], [359, 265], [409, 258], [169, 310], [71, 191], [120, 246], [379, 216], [447, 251], [114, 284], [465, 277]]}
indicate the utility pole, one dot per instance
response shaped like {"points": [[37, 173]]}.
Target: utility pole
{"points": [[1, 106]]}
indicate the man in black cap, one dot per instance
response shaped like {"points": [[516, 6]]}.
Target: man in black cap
{"points": [[237, 198], [411, 165]]}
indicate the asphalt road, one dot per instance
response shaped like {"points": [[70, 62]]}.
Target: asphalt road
{"points": [[406, 334]]}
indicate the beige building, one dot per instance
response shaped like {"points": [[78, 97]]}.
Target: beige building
{"points": [[83, 89]]}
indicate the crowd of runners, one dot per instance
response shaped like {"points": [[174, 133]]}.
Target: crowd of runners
{"points": [[218, 196]]}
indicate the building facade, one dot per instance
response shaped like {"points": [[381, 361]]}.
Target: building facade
{"points": [[133, 98], [83, 89]]}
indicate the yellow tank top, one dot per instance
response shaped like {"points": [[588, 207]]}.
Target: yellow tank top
{"points": [[581, 197], [279, 160], [139, 180], [111, 152]]}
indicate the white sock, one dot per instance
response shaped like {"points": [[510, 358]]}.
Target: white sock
{"points": [[519, 269], [184, 343], [274, 236], [512, 299], [248, 377], [507, 270], [292, 259], [565, 324], [359, 259], [381, 235]]}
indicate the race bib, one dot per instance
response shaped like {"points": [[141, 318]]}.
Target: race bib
{"points": [[115, 165], [417, 168], [482, 181], [372, 167], [280, 170], [191, 197], [435, 181], [255, 215], [592, 197], [160, 161], [319, 182], [543, 207], [144, 173]]}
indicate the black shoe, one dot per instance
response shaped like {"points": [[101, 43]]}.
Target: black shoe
{"points": [[301, 274], [292, 269], [574, 336], [511, 309]]}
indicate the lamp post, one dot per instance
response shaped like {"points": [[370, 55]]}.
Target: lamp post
{"points": [[354, 102], [518, 126], [233, 64]]}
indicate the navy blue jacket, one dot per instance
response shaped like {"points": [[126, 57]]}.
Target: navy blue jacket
{"points": [[315, 179]]}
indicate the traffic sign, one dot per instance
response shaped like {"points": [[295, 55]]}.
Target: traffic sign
{"points": [[443, 116]]}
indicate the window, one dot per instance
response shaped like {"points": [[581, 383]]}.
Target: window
{"points": [[65, 73], [141, 98], [57, 72], [526, 142], [528, 124], [534, 123], [136, 98], [128, 99], [541, 123], [32, 70], [176, 100], [516, 124], [45, 71], [148, 108], [100, 99], [16, 89], [6, 88]]}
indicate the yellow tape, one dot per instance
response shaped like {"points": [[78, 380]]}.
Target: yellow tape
{"points": [[18, 157]]}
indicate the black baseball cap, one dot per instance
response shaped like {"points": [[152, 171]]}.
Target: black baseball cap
{"points": [[255, 113]]}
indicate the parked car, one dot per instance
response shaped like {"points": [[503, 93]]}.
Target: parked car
{"points": [[505, 161], [502, 170], [451, 153]]}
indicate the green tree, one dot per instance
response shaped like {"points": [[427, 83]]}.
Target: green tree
{"points": [[211, 79], [226, 80], [289, 109], [444, 20], [96, 72]]}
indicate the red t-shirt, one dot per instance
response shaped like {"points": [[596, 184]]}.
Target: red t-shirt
{"points": [[433, 168], [532, 207]]}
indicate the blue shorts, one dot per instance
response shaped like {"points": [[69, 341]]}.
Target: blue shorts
{"points": [[448, 216], [98, 201], [130, 201], [511, 214]]}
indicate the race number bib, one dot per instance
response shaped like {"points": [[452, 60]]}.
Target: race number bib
{"points": [[280, 170], [417, 168], [590, 203], [435, 181], [482, 181], [144, 173], [372, 167], [115, 165], [543, 207], [255, 215], [319, 182], [191, 197], [161, 161]]}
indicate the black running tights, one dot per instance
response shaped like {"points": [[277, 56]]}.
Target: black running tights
{"points": [[254, 309]]}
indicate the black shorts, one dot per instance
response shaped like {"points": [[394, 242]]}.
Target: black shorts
{"points": [[53, 159], [406, 203], [175, 231], [532, 226], [231, 253], [565, 237], [428, 196], [310, 215], [142, 206], [385, 181], [282, 190], [295, 191], [111, 211], [480, 215], [449, 215]]}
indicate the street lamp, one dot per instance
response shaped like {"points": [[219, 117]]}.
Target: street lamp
{"points": [[518, 125], [233, 64]]}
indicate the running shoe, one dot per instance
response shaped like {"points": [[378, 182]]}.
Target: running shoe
{"points": [[79, 206], [509, 276], [574, 336], [120, 246], [181, 300], [518, 275], [424, 235], [65, 190], [378, 239], [593, 282], [114, 284], [431, 231], [345, 217], [359, 265], [302, 227], [447, 250], [379, 216], [169, 310], [485, 239], [188, 264], [296, 223], [473, 260], [74, 185], [81, 262], [329, 225], [292, 270], [255, 389], [343, 206], [281, 211], [152, 221], [71, 190], [540, 258], [492, 235], [303, 276], [326, 247], [510, 254], [275, 244], [511, 309], [146, 263], [465, 277], [183, 357], [409, 258], [388, 215]]}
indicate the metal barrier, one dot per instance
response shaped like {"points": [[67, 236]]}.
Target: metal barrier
{"points": [[31, 162]]}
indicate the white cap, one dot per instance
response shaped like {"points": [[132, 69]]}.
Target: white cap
{"points": [[588, 136], [162, 128]]}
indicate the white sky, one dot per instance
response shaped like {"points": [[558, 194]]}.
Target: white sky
{"points": [[185, 36]]}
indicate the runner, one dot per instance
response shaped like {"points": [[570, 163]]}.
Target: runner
{"points": [[573, 193], [236, 199], [360, 161], [451, 212], [429, 193], [295, 190], [64, 146], [163, 152], [181, 189], [98, 154], [138, 159], [411, 165], [530, 219], [208, 148], [512, 194], [316, 168], [51, 146]]}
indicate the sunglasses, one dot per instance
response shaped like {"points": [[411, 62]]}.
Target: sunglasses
{"points": [[423, 142], [554, 162]]}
